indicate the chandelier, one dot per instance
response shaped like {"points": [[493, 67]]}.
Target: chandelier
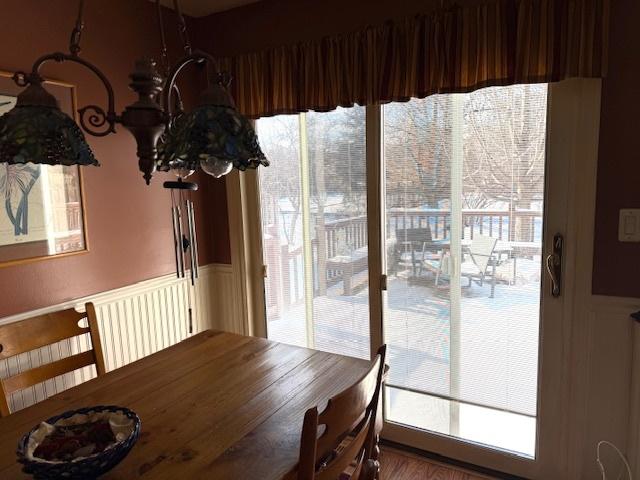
{"points": [[213, 137]]}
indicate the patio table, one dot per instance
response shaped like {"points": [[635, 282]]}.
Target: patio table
{"points": [[217, 405]]}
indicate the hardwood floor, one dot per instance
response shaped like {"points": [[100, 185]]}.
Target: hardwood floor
{"points": [[398, 465]]}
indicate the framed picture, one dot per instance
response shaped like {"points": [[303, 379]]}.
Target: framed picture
{"points": [[41, 206]]}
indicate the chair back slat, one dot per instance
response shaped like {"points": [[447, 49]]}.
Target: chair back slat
{"points": [[346, 410], [348, 425], [40, 331], [354, 450], [45, 372], [421, 234]]}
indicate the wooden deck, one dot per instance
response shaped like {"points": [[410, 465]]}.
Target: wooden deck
{"points": [[498, 345]]}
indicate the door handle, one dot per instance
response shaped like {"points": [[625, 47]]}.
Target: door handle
{"points": [[554, 265]]}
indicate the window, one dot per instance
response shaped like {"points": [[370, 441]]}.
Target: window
{"points": [[314, 222], [462, 214]]}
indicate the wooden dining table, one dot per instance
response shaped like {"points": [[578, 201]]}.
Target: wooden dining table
{"points": [[217, 405]]}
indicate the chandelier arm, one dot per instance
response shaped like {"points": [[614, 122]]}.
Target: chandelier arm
{"points": [[197, 57], [92, 117], [177, 100]]}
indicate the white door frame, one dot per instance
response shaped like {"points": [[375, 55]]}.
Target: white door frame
{"points": [[573, 122], [573, 125], [245, 238]]}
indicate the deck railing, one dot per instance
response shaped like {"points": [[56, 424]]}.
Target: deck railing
{"points": [[519, 225], [346, 235]]}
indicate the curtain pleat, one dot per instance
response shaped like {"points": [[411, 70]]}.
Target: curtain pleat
{"points": [[459, 49]]}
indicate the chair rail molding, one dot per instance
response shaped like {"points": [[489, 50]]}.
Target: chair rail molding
{"points": [[135, 321]]}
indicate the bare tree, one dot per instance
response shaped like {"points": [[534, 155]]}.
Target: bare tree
{"points": [[417, 152], [337, 148], [280, 137], [504, 149]]}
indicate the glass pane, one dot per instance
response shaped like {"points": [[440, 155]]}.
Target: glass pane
{"points": [[314, 224], [464, 198]]}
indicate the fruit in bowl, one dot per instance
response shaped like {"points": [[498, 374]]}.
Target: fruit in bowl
{"points": [[83, 443]]}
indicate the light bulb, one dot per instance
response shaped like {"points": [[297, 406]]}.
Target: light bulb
{"points": [[182, 172], [216, 167]]}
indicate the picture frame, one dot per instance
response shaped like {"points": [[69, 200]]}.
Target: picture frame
{"points": [[42, 207]]}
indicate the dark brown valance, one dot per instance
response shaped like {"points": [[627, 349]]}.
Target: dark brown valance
{"points": [[454, 50]]}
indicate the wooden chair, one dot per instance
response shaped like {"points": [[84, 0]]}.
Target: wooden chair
{"points": [[348, 445], [43, 330]]}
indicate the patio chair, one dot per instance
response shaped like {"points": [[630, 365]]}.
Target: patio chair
{"points": [[439, 265], [478, 265], [413, 247], [479, 261]]}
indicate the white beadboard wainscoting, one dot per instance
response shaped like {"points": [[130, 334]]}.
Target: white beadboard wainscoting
{"points": [[135, 321], [605, 398]]}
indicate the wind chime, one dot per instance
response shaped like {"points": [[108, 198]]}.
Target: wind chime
{"points": [[185, 241]]}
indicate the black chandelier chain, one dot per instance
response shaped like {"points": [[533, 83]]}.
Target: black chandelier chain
{"points": [[164, 55], [93, 118], [182, 29], [76, 34]]}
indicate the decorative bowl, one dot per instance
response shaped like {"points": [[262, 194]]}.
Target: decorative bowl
{"points": [[83, 468]]}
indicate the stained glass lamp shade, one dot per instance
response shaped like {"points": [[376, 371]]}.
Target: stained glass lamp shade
{"points": [[214, 136], [37, 131]]}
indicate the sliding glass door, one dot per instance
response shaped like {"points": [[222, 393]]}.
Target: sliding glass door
{"points": [[425, 225], [464, 202], [314, 222]]}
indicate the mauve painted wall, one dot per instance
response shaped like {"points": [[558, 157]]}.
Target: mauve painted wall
{"points": [[129, 223], [616, 265]]}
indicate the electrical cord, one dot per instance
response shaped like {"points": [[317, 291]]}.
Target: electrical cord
{"points": [[620, 454]]}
